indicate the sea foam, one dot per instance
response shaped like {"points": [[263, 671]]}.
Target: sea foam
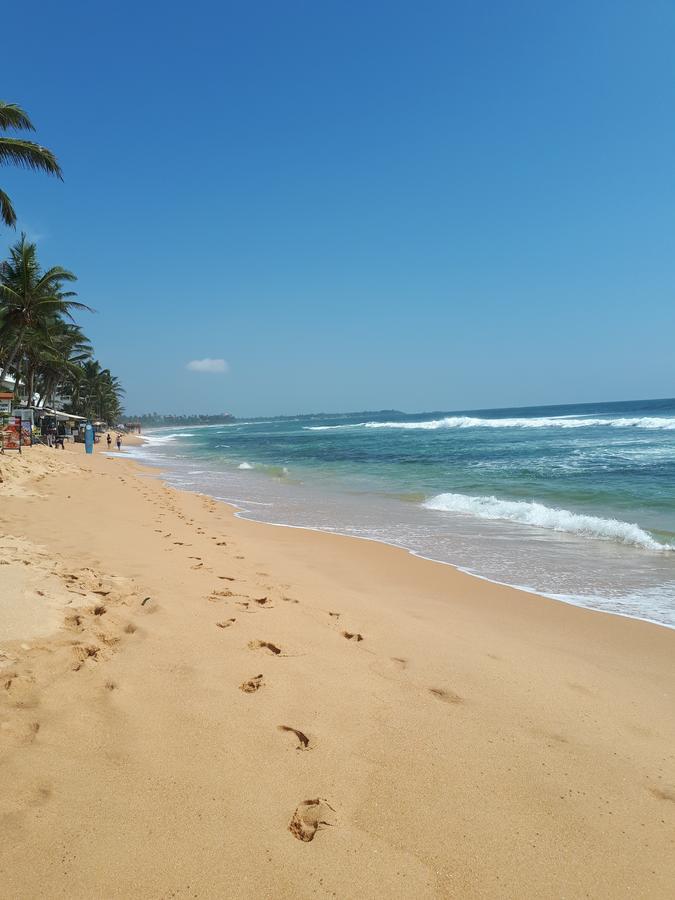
{"points": [[661, 423], [527, 512], [152, 438]]}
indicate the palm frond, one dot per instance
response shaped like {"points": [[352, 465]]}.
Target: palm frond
{"points": [[28, 155], [56, 273], [73, 304], [12, 116], [7, 213], [8, 295]]}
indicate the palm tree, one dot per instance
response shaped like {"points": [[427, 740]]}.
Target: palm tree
{"points": [[31, 300], [96, 393], [41, 344], [18, 152], [52, 360]]}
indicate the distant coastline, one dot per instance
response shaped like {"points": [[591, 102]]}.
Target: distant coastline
{"points": [[159, 420]]}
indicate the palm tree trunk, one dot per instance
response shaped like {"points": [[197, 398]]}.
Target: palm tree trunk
{"points": [[12, 357], [20, 376], [31, 384]]}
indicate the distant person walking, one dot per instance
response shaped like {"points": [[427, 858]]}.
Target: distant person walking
{"points": [[119, 442], [109, 440]]}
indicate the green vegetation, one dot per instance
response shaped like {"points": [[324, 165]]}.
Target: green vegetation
{"points": [[157, 420], [41, 346], [18, 152]]}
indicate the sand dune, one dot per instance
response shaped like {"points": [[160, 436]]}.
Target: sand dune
{"points": [[197, 705]]}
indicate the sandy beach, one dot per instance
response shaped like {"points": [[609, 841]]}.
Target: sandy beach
{"points": [[196, 705]]}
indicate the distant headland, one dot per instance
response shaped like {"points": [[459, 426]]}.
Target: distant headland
{"points": [[156, 420]]}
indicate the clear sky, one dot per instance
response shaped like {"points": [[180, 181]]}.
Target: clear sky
{"points": [[358, 205]]}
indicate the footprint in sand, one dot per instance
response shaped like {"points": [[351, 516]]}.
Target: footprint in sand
{"points": [[580, 688], [31, 732], [391, 669], [74, 622], [264, 645], [252, 685], [304, 742], [228, 623], [663, 793], [21, 690], [351, 636], [41, 795], [84, 652], [263, 601], [309, 817], [446, 696]]}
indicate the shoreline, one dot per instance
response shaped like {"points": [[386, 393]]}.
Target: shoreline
{"points": [[247, 515], [240, 513], [437, 706]]}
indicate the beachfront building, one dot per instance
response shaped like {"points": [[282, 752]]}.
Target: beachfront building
{"points": [[6, 400], [8, 385], [39, 418]]}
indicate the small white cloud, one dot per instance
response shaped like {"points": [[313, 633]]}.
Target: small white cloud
{"points": [[208, 365]]}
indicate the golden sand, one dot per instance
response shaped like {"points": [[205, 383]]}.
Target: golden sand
{"points": [[194, 705]]}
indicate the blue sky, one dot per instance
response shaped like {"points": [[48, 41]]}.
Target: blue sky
{"points": [[429, 205]]}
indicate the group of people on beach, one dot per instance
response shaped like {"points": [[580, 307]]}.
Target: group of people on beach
{"points": [[55, 435], [118, 441]]}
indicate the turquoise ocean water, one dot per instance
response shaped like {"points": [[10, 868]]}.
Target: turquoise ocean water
{"points": [[575, 502]]}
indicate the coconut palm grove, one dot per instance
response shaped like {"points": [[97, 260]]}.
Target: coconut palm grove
{"points": [[45, 355]]}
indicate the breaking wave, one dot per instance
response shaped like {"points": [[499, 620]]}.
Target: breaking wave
{"points": [[661, 423], [151, 438], [528, 512], [244, 465]]}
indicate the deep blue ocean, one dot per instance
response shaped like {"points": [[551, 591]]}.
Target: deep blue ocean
{"points": [[575, 502]]}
